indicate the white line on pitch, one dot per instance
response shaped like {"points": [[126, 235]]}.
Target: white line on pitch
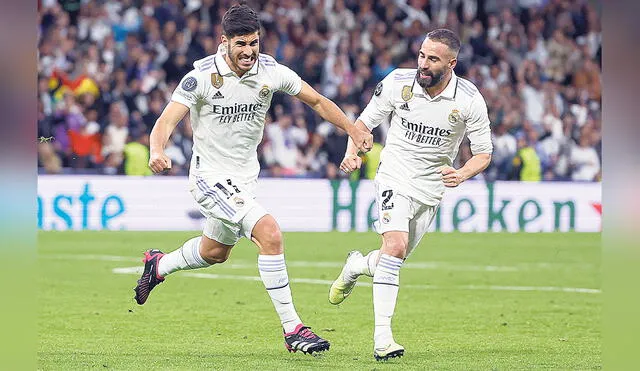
{"points": [[113, 258], [242, 264], [138, 271]]}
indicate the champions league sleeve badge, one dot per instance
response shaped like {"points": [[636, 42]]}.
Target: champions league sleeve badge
{"points": [[189, 84], [378, 90]]}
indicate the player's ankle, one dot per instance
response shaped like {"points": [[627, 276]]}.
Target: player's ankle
{"points": [[351, 277]]}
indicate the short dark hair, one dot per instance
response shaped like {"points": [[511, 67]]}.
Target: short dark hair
{"points": [[240, 19], [447, 37]]}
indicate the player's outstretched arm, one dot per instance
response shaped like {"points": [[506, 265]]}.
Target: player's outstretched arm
{"points": [[164, 126], [351, 160], [452, 177], [331, 112]]}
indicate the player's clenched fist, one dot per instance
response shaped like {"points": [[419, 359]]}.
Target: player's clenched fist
{"points": [[158, 162], [451, 177], [350, 162], [362, 139]]}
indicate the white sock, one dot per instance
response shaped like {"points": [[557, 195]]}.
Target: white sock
{"points": [[365, 265], [273, 272], [186, 257], [386, 282]]}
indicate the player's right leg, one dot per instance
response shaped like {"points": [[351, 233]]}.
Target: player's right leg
{"points": [[355, 266], [344, 284], [386, 283], [397, 245], [198, 252]]}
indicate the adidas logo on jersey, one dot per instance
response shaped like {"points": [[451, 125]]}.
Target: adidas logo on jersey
{"points": [[217, 95], [405, 107]]}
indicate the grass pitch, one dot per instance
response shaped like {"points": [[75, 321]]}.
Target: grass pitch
{"points": [[467, 302]]}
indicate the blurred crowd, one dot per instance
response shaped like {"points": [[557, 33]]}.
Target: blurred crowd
{"points": [[107, 68]]}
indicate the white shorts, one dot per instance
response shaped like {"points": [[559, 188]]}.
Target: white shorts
{"points": [[230, 207], [398, 212]]}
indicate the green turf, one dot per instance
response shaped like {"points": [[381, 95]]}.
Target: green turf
{"points": [[447, 317]]}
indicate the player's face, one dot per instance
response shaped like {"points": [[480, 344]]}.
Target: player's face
{"points": [[435, 61], [242, 51]]}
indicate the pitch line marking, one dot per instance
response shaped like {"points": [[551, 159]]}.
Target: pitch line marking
{"points": [[242, 264], [578, 290]]}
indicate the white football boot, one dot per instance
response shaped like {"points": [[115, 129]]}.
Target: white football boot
{"points": [[342, 286]]}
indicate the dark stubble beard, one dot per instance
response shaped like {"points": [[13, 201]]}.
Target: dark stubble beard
{"points": [[236, 61], [436, 77]]}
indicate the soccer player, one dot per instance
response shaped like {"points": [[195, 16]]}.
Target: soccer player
{"points": [[431, 110], [227, 95]]}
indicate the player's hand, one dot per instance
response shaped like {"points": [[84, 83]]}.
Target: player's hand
{"points": [[451, 177], [159, 162], [350, 162], [362, 139]]}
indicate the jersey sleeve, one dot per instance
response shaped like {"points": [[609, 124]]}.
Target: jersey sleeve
{"points": [[478, 126], [190, 90], [380, 105], [287, 80]]}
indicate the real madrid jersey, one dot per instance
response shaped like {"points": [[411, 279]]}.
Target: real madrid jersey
{"points": [[228, 112], [425, 132]]}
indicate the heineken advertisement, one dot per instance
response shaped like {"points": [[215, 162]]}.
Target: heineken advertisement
{"points": [[476, 206], [164, 203]]}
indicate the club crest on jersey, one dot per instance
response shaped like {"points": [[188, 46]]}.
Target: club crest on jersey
{"points": [[189, 83], [238, 201], [407, 94], [378, 90], [264, 92], [454, 116], [216, 80], [386, 218]]}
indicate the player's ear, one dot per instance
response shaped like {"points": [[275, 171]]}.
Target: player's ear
{"points": [[453, 62]]}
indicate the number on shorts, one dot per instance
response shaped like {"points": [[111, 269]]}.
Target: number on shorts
{"points": [[233, 185], [387, 197], [226, 191]]}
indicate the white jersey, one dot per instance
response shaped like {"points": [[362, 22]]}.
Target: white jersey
{"points": [[228, 113], [425, 133]]}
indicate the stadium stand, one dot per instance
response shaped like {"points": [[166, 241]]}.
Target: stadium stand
{"points": [[107, 68]]}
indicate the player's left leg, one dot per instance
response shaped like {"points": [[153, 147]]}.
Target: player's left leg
{"points": [[394, 211], [266, 234]]}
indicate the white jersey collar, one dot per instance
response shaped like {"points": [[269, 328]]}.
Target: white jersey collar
{"points": [[449, 92]]}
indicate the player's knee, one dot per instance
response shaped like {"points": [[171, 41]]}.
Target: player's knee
{"points": [[396, 247], [215, 259], [214, 256], [273, 241], [268, 236]]}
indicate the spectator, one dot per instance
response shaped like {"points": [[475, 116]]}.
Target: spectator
{"points": [[584, 161], [85, 142], [115, 138], [136, 156], [315, 157], [336, 142], [284, 140], [504, 150], [526, 163]]}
